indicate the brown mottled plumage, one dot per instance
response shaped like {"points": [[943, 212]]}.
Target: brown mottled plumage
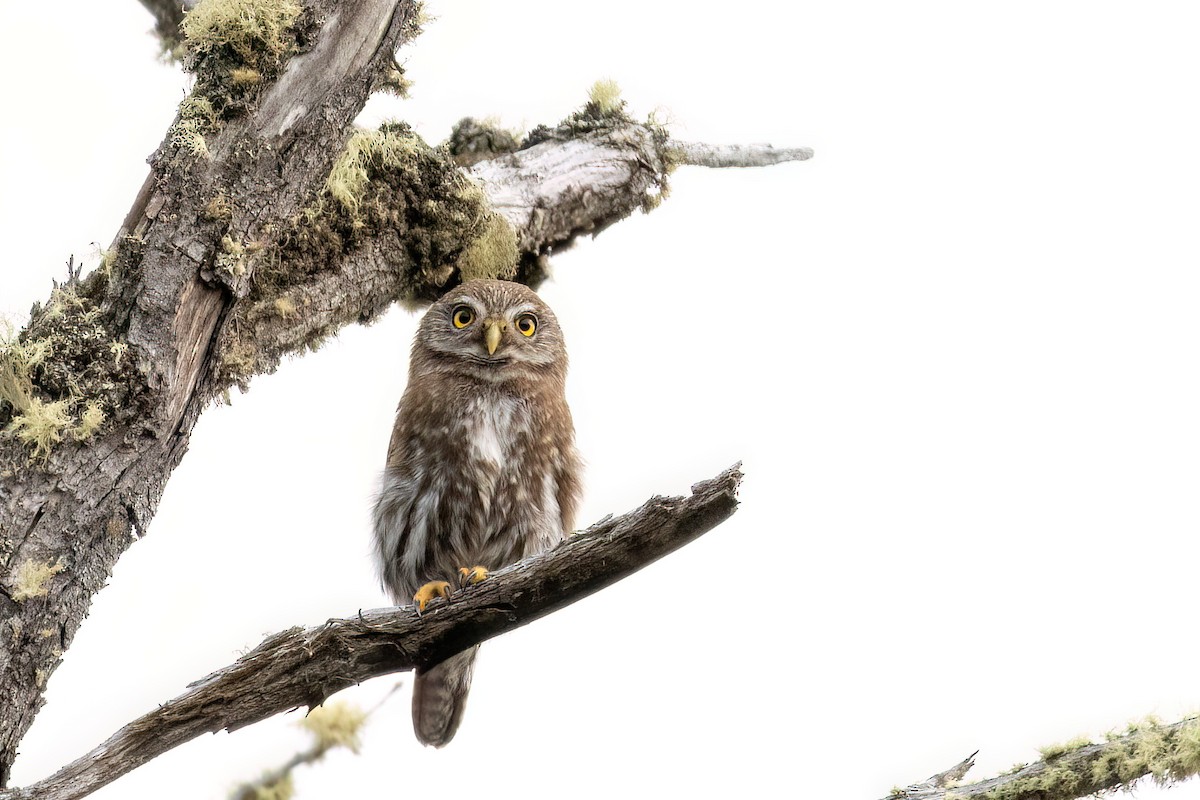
{"points": [[482, 468]]}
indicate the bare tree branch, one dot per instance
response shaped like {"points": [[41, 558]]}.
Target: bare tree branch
{"points": [[1165, 753], [303, 666], [541, 189], [736, 155]]}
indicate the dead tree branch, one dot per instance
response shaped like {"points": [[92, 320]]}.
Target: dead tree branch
{"points": [[303, 666], [1166, 754], [699, 154], [107, 380], [267, 223]]}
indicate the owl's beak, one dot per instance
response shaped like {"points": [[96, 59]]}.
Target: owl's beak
{"points": [[493, 329]]}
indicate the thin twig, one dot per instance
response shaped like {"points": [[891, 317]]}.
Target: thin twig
{"points": [[699, 154], [252, 790]]}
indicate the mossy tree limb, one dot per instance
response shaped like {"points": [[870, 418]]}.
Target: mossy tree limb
{"points": [[238, 250], [369, 242], [560, 188], [157, 308], [303, 666], [1164, 753]]}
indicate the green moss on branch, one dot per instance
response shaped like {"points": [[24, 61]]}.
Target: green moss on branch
{"points": [[1166, 754], [393, 196], [235, 48], [64, 375], [390, 182], [241, 34]]}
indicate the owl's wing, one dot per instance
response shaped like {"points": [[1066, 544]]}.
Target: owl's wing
{"points": [[570, 488], [393, 507]]}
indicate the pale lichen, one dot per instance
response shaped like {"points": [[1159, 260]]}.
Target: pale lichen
{"points": [[603, 111], [493, 254], [1148, 748], [605, 115], [62, 376], [606, 95], [90, 421], [389, 182], [117, 526], [245, 76], [17, 360], [231, 261], [41, 426], [197, 118], [366, 152], [285, 307], [218, 208], [1059, 749], [394, 81], [236, 48], [32, 579], [335, 725], [254, 31]]}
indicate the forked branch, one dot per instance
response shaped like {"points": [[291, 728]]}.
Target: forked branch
{"points": [[303, 666]]}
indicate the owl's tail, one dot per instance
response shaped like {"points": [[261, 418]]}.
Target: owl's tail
{"points": [[440, 697]]}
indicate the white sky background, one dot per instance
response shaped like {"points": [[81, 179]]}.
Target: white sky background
{"points": [[956, 352]]}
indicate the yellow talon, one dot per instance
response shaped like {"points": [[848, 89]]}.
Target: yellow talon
{"points": [[429, 591], [469, 576]]}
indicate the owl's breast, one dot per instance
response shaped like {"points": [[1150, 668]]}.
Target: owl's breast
{"points": [[495, 429], [477, 482], [513, 488]]}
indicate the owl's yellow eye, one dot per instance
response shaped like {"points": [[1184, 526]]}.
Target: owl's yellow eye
{"points": [[526, 324], [463, 316]]}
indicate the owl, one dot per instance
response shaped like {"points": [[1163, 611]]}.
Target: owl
{"points": [[482, 469]]}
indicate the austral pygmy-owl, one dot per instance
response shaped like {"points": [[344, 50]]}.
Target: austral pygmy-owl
{"points": [[482, 469]]}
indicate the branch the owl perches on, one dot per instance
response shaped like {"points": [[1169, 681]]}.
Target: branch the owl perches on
{"points": [[303, 666]]}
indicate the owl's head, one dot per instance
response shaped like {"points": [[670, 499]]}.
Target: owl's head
{"points": [[492, 330]]}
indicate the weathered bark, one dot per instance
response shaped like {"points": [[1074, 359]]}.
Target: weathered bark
{"points": [[65, 520], [303, 666], [700, 154], [549, 193], [240, 248]]}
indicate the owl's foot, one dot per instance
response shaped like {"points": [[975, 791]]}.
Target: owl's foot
{"points": [[429, 591], [469, 576]]}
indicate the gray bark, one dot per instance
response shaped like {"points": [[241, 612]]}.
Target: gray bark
{"points": [[303, 666], [233, 255], [737, 155], [75, 512]]}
